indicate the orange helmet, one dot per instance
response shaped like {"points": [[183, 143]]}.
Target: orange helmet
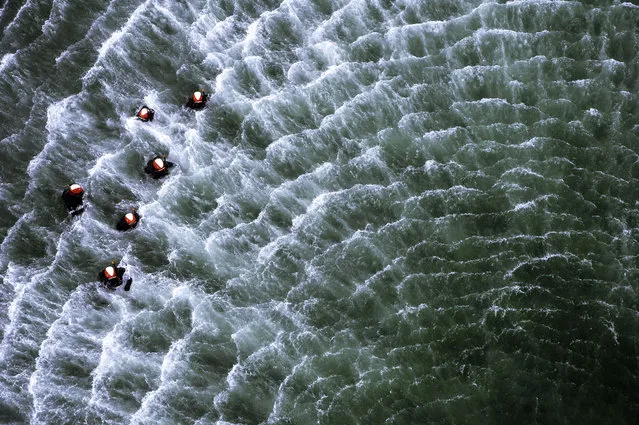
{"points": [[109, 272], [76, 189], [158, 164], [197, 97], [130, 218], [144, 113]]}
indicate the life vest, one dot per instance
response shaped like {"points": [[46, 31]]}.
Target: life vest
{"points": [[76, 189], [198, 97], [130, 219], [109, 272], [144, 113], [158, 164]]}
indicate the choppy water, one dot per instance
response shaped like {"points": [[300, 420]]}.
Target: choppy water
{"points": [[401, 212]]}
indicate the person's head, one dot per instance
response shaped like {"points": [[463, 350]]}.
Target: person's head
{"points": [[158, 164], [144, 113], [198, 97], [76, 189], [109, 272], [130, 219]]}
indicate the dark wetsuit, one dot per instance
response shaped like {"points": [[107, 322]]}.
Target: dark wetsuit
{"points": [[123, 225], [115, 282], [72, 201], [197, 105], [151, 114], [158, 174]]}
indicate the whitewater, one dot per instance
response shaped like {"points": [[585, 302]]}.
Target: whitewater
{"points": [[390, 212]]}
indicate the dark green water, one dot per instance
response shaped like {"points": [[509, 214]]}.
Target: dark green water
{"points": [[390, 212]]}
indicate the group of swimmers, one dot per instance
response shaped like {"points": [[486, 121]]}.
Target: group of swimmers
{"points": [[113, 277]]}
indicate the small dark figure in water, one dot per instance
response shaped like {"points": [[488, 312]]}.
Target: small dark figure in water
{"points": [[158, 167], [198, 100], [72, 197], [112, 277], [145, 114], [128, 221]]}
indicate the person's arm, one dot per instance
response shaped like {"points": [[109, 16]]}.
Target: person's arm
{"points": [[169, 164]]}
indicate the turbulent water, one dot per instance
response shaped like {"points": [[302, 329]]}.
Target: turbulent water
{"points": [[390, 212]]}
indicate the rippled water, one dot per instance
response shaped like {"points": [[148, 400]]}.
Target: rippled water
{"points": [[401, 212]]}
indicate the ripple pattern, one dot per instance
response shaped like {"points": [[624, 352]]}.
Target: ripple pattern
{"points": [[390, 212]]}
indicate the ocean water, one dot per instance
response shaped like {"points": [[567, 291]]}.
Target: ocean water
{"points": [[391, 212]]}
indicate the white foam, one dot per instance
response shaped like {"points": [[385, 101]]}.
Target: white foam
{"points": [[330, 52], [252, 33], [442, 134], [566, 257], [525, 205], [594, 113], [534, 142], [521, 171], [18, 15], [7, 59], [115, 37], [582, 83]]}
